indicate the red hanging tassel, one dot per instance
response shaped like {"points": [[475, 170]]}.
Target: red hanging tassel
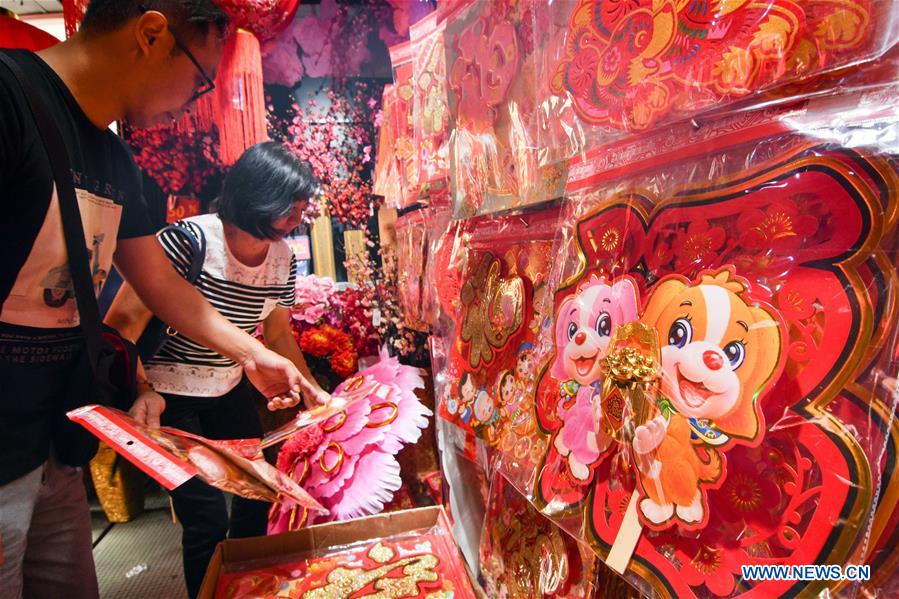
{"points": [[239, 103], [202, 115], [72, 13]]}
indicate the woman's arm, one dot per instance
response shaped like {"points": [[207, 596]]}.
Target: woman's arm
{"points": [[129, 316], [279, 337], [143, 263]]}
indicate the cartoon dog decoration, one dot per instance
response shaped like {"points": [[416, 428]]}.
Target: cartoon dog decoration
{"points": [[585, 322], [720, 353]]}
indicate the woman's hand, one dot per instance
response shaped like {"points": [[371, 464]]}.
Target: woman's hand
{"points": [[316, 397], [148, 407]]}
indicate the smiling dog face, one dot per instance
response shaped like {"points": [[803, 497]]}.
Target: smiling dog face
{"points": [[584, 325], [719, 351]]}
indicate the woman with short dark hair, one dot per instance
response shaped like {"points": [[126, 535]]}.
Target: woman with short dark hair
{"points": [[249, 275]]}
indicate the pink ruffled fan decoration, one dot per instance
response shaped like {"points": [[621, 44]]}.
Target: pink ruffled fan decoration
{"points": [[348, 463]]}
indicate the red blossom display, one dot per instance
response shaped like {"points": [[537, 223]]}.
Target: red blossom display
{"points": [[338, 346], [357, 320], [336, 137], [181, 161]]}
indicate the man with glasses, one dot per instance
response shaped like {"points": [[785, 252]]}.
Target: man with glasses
{"points": [[145, 63]]}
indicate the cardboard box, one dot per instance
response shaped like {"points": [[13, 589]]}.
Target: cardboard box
{"points": [[322, 537]]}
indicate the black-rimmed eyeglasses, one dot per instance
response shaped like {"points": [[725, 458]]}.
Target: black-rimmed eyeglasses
{"points": [[208, 84]]}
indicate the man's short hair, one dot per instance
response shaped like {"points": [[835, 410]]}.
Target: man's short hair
{"points": [[189, 18], [263, 186]]}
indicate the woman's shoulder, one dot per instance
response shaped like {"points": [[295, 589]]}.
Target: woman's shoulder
{"points": [[203, 226], [203, 221]]}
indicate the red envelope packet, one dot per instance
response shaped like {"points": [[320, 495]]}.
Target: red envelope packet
{"points": [[172, 456]]}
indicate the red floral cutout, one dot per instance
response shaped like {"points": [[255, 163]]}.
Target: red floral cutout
{"points": [[628, 64]]}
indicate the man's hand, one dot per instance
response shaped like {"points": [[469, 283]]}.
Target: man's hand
{"points": [[147, 408], [275, 377]]}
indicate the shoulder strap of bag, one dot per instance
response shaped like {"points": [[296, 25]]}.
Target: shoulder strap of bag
{"points": [[197, 246], [73, 229]]}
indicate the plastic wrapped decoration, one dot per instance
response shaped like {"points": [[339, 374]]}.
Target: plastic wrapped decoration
{"points": [[760, 249], [492, 70], [430, 111], [492, 348], [404, 141], [616, 68], [437, 227], [446, 258], [348, 463], [412, 246], [524, 554], [385, 178], [483, 59]]}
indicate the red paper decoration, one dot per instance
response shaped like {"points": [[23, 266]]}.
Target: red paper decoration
{"points": [[73, 12], [264, 18], [628, 65], [798, 235], [18, 34]]}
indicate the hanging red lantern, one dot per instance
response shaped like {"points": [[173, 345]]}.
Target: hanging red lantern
{"points": [[264, 18], [239, 102], [19, 34]]}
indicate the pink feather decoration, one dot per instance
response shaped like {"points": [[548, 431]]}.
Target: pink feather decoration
{"points": [[378, 477], [349, 465]]}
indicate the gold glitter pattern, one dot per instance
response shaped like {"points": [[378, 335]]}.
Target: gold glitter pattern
{"points": [[632, 370], [493, 310], [342, 583]]}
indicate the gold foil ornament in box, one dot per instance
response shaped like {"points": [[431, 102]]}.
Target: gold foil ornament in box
{"points": [[631, 370]]}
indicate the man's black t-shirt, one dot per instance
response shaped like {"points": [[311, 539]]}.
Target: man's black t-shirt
{"points": [[39, 335]]}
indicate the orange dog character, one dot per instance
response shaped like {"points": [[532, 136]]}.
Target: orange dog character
{"points": [[721, 352]]}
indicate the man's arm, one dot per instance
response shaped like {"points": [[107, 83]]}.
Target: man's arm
{"points": [[175, 301], [279, 337]]}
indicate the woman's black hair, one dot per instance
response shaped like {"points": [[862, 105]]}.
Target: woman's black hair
{"points": [[263, 186]]}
